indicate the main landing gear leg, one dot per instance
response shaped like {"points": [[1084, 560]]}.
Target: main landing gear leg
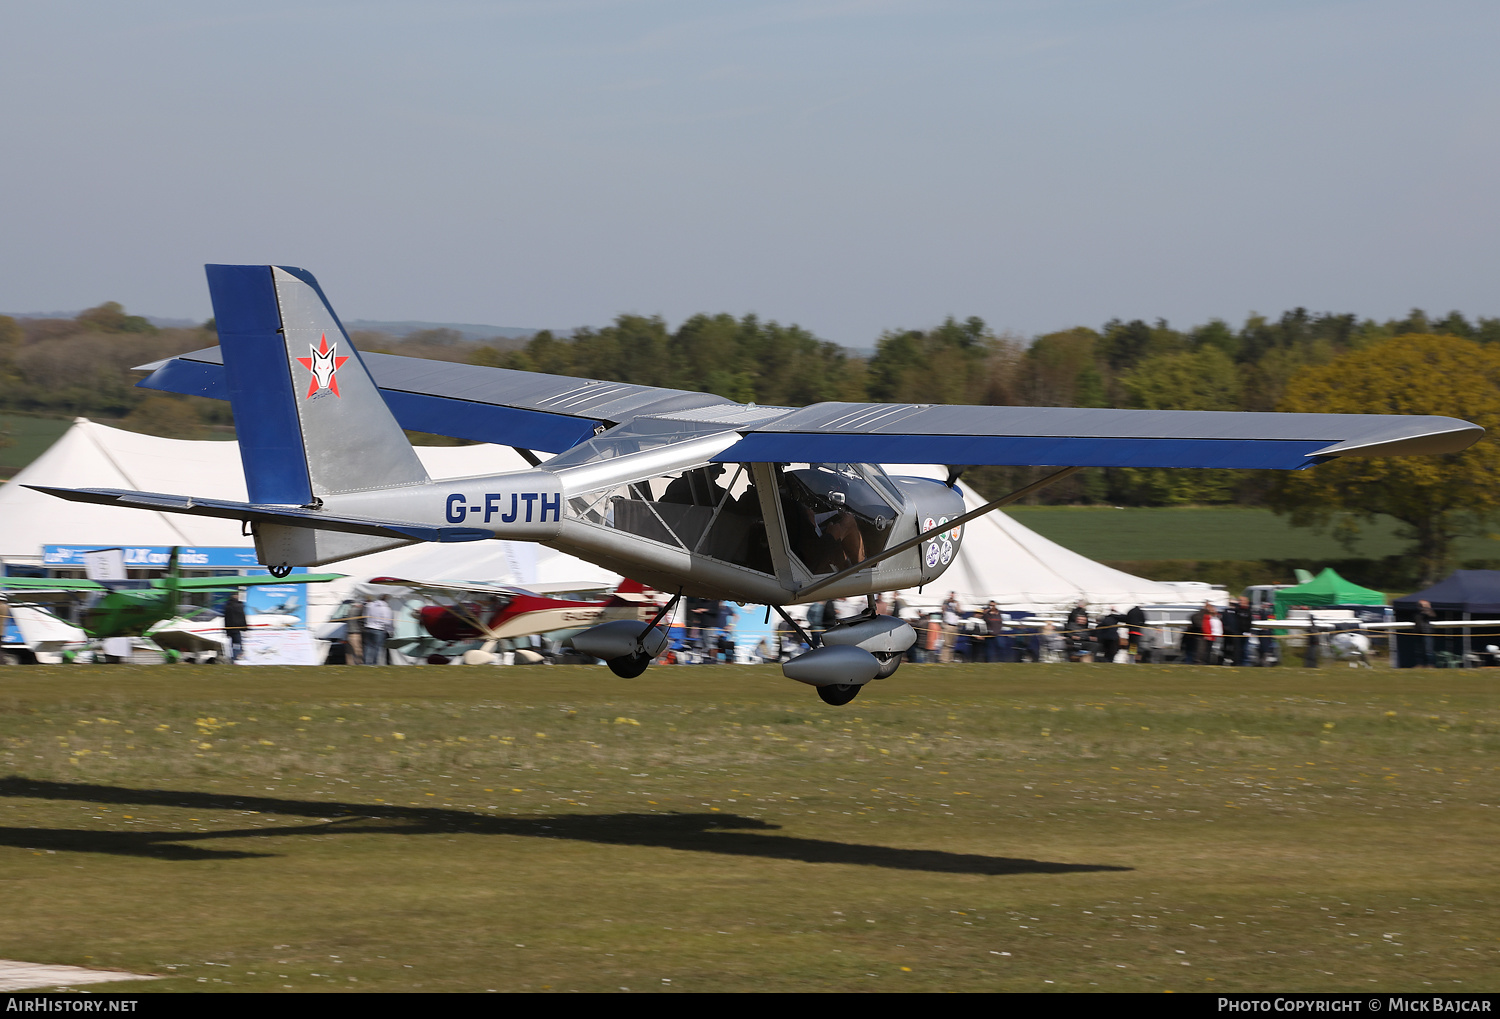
{"points": [[632, 665], [836, 694]]}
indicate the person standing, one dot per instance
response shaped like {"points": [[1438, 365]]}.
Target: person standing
{"points": [[1107, 631], [1077, 632], [235, 625], [1213, 635], [932, 642], [1192, 637], [1267, 650], [1135, 624], [1310, 650], [354, 641], [1426, 651], [994, 625], [378, 626], [1237, 625], [950, 626]]}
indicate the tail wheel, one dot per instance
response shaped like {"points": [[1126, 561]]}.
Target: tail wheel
{"points": [[838, 694], [890, 661], [629, 666]]}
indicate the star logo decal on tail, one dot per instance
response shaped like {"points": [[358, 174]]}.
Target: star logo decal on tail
{"points": [[323, 364]]}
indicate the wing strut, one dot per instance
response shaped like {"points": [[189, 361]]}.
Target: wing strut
{"points": [[668, 607], [807, 638], [1005, 500]]}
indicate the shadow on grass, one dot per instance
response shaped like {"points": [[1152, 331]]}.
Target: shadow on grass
{"points": [[729, 834]]}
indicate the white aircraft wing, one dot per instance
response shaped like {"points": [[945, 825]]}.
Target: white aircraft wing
{"points": [[447, 588], [556, 413]]}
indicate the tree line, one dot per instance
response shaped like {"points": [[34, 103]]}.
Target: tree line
{"points": [[1299, 361]]}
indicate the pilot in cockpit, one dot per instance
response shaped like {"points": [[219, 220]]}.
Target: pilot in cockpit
{"points": [[696, 487]]}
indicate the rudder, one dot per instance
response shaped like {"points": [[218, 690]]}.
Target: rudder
{"points": [[310, 420]]}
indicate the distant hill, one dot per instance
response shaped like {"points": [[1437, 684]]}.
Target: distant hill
{"points": [[468, 330]]}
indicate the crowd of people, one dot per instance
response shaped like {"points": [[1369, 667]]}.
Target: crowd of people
{"points": [[1211, 636], [364, 626]]}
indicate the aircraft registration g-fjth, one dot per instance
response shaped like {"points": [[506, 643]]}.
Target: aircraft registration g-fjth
{"points": [[688, 492]]}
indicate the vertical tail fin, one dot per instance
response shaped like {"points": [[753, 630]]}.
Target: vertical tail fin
{"points": [[630, 592], [310, 420]]}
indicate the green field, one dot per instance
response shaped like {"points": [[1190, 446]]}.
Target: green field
{"points": [[28, 438], [1103, 532], [959, 828]]}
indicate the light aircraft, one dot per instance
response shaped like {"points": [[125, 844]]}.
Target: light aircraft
{"points": [[202, 632], [495, 612], [118, 607], [688, 492]]}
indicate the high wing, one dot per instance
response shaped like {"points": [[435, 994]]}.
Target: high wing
{"points": [[228, 583], [551, 413], [556, 413], [43, 584], [447, 589], [64, 585], [45, 591]]}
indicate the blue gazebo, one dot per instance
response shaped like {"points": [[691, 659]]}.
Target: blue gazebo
{"points": [[1463, 595]]}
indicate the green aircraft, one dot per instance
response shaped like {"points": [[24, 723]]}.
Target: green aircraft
{"points": [[128, 608]]}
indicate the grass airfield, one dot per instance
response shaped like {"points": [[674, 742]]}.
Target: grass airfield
{"points": [[956, 828]]}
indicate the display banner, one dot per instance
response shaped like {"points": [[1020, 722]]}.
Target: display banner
{"points": [[154, 557], [279, 647], [105, 565]]}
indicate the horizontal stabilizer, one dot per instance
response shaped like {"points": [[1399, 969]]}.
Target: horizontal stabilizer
{"points": [[287, 515]]}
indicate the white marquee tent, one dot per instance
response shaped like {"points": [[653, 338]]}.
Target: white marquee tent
{"points": [[999, 559], [1004, 561], [91, 455]]}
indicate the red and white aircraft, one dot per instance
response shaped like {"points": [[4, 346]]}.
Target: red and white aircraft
{"points": [[502, 612]]}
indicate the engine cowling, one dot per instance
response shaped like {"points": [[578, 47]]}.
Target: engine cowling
{"points": [[620, 638], [880, 635], [833, 665]]}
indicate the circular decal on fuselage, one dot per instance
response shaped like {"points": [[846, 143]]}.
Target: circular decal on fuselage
{"points": [[931, 556], [947, 553], [944, 535]]}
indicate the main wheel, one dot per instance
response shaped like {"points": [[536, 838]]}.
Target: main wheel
{"points": [[629, 666], [889, 663], [838, 694]]}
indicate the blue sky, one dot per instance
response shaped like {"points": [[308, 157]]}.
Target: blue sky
{"points": [[851, 166]]}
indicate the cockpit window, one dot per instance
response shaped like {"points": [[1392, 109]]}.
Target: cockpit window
{"points": [[711, 511], [835, 516]]}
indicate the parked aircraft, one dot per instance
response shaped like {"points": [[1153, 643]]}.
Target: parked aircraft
{"points": [[494, 612], [128, 608], [688, 492], [202, 632]]}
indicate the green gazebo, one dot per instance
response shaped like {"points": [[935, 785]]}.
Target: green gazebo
{"points": [[1327, 588]]}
